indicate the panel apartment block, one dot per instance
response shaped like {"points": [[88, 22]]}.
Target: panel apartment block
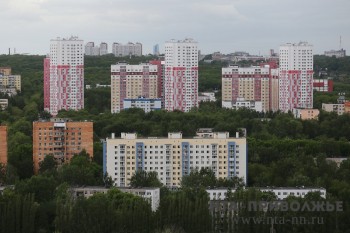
{"points": [[129, 49], [10, 84], [323, 85], [132, 82], [61, 138], [254, 83], [181, 75], [3, 144], [64, 82], [175, 156], [295, 76]]}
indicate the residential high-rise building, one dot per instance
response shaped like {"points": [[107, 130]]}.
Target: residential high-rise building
{"points": [[156, 50], [3, 144], [181, 75], [131, 82], [242, 85], [174, 157], [61, 138], [64, 82], [129, 49], [295, 76], [103, 48]]}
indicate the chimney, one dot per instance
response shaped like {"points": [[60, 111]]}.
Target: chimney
{"points": [[237, 134], [113, 135]]}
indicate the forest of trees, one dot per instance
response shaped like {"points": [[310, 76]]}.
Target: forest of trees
{"points": [[282, 151]]}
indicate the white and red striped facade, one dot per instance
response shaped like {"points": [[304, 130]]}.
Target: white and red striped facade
{"points": [[323, 85], [131, 82], [181, 75], [64, 75], [295, 76], [255, 83]]}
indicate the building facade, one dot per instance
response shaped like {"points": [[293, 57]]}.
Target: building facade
{"points": [[4, 103], [62, 138], [131, 82], [181, 75], [64, 82], [103, 48], [146, 104], [295, 76], [10, 84], [5, 70], [335, 53], [3, 144], [280, 192], [337, 108], [323, 85], [257, 84], [174, 157], [206, 97], [243, 103], [129, 49], [151, 195], [306, 113]]}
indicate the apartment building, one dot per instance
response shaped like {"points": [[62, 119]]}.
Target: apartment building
{"points": [[3, 144], [131, 82], [129, 49], [323, 85], [251, 84], [64, 75], [62, 138], [306, 113], [174, 157], [181, 75], [10, 84], [91, 49], [103, 48], [295, 76]]}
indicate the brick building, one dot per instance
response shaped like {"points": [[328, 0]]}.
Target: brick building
{"points": [[62, 138], [3, 144]]}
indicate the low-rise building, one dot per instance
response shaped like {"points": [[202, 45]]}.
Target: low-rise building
{"points": [[338, 161], [338, 108], [10, 84], [151, 195], [4, 103], [243, 103], [146, 104], [280, 192], [306, 113], [206, 96], [335, 53]]}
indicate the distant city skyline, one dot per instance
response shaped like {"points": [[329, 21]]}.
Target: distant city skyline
{"points": [[224, 25]]}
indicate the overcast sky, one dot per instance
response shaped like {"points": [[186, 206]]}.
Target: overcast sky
{"points": [[254, 26]]}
